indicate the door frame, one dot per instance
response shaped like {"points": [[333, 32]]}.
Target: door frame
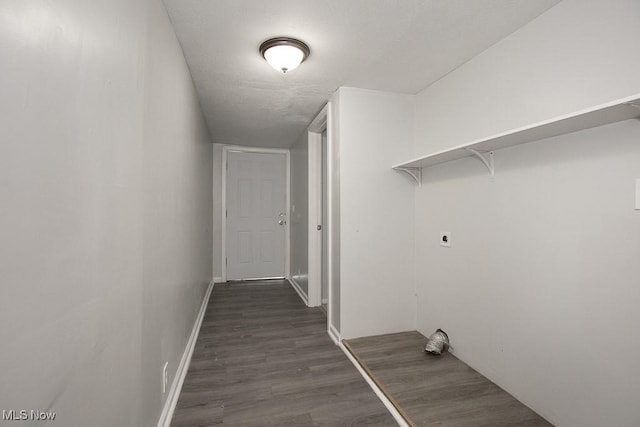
{"points": [[319, 124], [223, 214], [314, 135]]}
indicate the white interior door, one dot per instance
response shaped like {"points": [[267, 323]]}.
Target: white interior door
{"points": [[256, 215]]}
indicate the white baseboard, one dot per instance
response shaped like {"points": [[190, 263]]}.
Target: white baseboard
{"points": [[217, 280], [299, 290], [386, 402], [334, 334], [181, 373]]}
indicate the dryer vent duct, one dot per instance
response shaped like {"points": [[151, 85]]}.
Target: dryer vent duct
{"points": [[437, 342]]}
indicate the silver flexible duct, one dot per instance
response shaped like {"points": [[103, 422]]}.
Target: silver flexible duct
{"points": [[437, 342]]}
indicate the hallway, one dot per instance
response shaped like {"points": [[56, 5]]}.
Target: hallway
{"points": [[264, 358], [510, 127]]}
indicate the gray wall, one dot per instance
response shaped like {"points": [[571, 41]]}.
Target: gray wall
{"points": [[105, 219], [299, 215], [539, 290]]}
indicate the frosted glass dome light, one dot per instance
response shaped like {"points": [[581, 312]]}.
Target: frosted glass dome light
{"points": [[284, 53]]}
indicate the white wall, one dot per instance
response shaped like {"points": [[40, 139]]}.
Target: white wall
{"points": [[376, 213], [105, 220], [539, 289], [333, 213], [299, 214], [579, 54]]}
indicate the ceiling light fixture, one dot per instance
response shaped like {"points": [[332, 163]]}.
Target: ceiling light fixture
{"points": [[284, 53]]}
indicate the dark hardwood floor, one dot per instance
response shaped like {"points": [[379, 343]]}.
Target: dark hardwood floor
{"points": [[437, 390], [264, 359]]}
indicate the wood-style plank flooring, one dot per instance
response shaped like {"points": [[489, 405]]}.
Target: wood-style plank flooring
{"points": [[437, 390], [264, 359]]}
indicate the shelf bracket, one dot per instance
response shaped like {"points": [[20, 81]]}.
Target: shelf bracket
{"points": [[415, 173], [486, 159]]}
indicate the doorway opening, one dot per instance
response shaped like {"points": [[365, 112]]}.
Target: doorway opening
{"points": [[324, 229]]}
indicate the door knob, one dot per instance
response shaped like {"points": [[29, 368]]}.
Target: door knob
{"points": [[282, 222]]}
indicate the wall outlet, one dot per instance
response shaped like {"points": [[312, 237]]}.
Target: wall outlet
{"points": [[445, 239], [164, 377]]}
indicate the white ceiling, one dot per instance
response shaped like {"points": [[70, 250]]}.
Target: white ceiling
{"points": [[390, 45]]}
